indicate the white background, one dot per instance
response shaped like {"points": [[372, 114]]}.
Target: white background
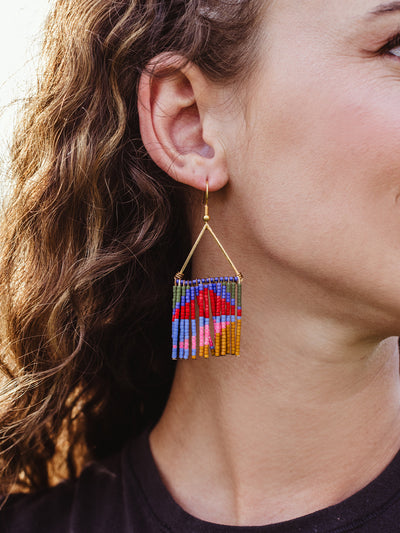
{"points": [[21, 23]]}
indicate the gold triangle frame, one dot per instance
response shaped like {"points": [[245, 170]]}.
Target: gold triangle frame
{"points": [[206, 218]]}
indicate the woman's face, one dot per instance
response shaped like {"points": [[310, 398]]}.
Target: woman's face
{"points": [[316, 162]]}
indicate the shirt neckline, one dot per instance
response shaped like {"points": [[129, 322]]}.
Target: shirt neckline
{"points": [[376, 497]]}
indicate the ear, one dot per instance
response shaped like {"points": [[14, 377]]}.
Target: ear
{"points": [[178, 124]]}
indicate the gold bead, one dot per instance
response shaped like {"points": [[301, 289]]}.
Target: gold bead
{"points": [[206, 218]]}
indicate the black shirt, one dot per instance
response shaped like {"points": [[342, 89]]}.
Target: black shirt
{"points": [[125, 494]]}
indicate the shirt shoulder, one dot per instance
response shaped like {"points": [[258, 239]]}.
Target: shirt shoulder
{"points": [[90, 503], [45, 511]]}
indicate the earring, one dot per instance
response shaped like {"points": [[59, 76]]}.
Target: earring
{"points": [[206, 312]]}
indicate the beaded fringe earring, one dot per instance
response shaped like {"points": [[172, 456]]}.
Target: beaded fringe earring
{"points": [[206, 312]]}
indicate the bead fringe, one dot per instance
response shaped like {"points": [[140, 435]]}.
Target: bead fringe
{"points": [[217, 328]]}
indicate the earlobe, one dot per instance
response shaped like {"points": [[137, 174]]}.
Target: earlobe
{"points": [[172, 123]]}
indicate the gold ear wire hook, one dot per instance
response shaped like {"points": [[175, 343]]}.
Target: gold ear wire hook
{"points": [[206, 217]]}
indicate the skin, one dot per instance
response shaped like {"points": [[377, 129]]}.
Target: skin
{"points": [[304, 172]]}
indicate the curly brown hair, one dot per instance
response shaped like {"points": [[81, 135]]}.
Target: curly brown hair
{"points": [[95, 232]]}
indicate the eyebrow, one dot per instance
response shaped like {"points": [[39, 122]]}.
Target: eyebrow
{"points": [[386, 8]]}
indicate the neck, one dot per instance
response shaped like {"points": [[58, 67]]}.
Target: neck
{"points": [[307, 416]]}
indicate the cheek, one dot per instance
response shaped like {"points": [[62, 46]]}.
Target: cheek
{"points": [[323, 156]]}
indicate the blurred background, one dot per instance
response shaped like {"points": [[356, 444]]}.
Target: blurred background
{"points": [[21, 25]]}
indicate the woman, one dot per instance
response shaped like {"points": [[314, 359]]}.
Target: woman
{"points": [[290, 112]]}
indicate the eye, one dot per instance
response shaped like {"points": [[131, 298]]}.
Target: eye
{"points": [[392, 47], [395, 51]]}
